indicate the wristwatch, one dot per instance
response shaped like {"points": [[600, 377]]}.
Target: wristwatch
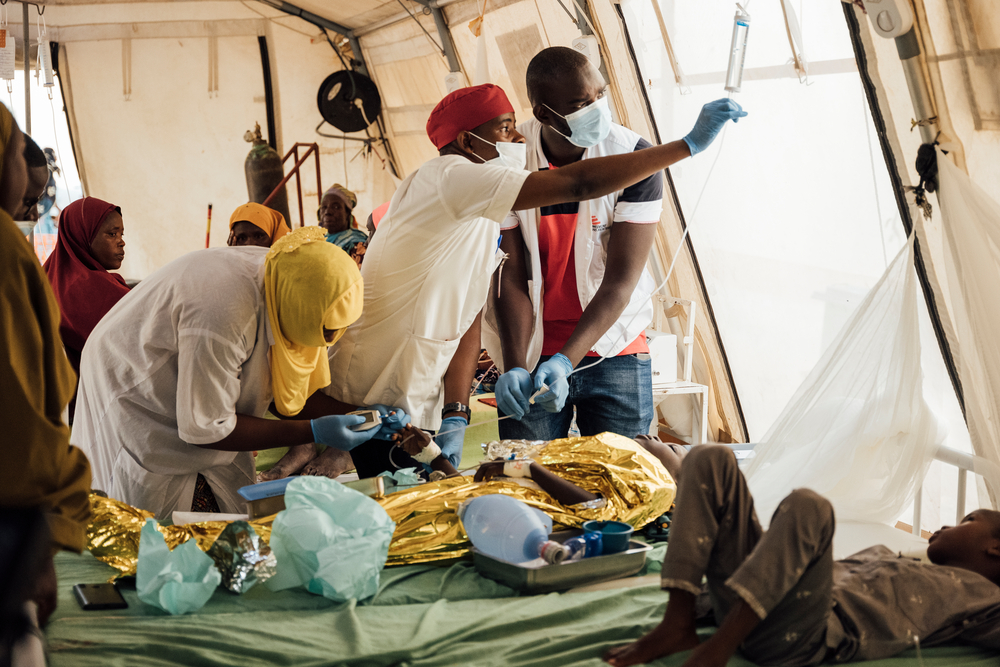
{"points": [[457, 407]]}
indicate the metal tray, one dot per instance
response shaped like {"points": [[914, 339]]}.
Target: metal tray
{"points": [[370, 486], [539, 577]]}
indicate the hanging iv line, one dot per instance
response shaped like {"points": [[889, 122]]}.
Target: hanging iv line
{"points": [[734, 78], [738, 49]]}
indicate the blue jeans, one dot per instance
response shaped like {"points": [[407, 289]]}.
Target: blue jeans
{"points": [[616, 396]]}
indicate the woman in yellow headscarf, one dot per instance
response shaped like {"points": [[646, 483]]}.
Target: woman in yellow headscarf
{"points": [[256, 224], [36, 382], [175, 380]]}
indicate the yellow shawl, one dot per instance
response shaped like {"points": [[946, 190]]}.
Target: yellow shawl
{"points": [[309, 285]]}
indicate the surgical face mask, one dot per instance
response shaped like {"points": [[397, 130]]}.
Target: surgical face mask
{"points": [[588, 126], [512, 156]]}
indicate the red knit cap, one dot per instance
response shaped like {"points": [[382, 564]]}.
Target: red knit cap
{"points": [[466, 109]]}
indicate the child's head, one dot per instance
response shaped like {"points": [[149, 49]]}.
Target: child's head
{"points": [[973, 544]]}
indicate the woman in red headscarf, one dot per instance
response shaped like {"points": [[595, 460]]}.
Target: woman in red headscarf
{"points": [[90, 245]]}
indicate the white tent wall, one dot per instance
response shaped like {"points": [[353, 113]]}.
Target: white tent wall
{"points": [[410, 73], [959, 40], [172, 147]]}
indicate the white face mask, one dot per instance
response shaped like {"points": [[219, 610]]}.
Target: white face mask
{"points": [[588, 126], [511, 155]]}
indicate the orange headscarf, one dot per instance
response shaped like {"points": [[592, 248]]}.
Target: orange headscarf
{"points": [[270, 221]]}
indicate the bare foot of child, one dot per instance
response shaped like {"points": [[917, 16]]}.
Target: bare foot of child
{"points": [[291, 463], [661, 641], [330, 463]]}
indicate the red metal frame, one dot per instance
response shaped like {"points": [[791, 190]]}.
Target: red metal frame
{"points": [[311, 149]]}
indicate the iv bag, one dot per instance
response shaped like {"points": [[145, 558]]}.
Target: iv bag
{"points": [[737, 50]]}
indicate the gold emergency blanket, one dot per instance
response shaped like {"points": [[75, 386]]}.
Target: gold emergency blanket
{"points": [[634, 484], [113, 535]]}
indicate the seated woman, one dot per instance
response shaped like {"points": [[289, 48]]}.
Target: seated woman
{"points": [[175, 381], [256, 224], [573, 480], [90, 245], [336, 216]]}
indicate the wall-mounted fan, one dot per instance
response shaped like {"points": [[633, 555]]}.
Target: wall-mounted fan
{"points": [[349, 101]]}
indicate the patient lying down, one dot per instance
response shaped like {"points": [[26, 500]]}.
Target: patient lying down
{"points": [[573, 480], [782, 599]]}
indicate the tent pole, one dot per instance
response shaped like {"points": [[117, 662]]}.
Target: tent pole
{"points": [[909, 56], [27, 69], [321, 22]]}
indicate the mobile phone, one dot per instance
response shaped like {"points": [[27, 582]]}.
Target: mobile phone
{"points": [[372, 419], [95, 597]]}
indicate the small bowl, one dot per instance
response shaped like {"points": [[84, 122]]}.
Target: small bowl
{"points": [[614, 534]]}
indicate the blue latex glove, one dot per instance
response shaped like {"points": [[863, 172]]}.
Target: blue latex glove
{"points": [[450, 438], [391, 424], [512, 391], [710, 121], [553, 373], [335, 431]]}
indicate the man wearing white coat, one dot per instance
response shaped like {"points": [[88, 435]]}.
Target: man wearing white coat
{"points": [[427, 273]]}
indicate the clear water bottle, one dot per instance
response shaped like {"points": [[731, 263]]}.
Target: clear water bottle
{"points": [[507, 529]]}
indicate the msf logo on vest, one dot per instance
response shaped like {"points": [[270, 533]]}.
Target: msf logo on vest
{"points": [[596, 225]]}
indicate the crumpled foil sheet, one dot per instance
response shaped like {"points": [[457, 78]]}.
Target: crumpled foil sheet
{"points": [[242, 557], [634, 485], [113, 534], [521, 449]]}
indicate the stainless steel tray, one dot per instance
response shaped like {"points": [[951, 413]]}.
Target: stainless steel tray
{"points": [[370, 486], [539, 577]]}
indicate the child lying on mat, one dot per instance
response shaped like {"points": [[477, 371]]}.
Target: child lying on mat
{"points": [[573, 480], [414, 441], [783, 600]]}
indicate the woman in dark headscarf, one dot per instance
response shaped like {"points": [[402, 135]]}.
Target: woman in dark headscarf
{"points": [[89, 246]]}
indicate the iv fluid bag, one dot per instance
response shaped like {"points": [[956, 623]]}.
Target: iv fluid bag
{"points": [[738, 50]]}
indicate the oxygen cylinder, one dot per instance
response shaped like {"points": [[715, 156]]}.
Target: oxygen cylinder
{"points": [[264, 172]]}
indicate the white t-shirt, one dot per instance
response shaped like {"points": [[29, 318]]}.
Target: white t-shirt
{"points": [[427, 275], [168, 369]]}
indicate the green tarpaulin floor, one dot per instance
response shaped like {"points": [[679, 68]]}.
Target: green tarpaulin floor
{"points": [[422, 616]]}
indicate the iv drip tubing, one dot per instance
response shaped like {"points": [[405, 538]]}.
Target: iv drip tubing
{"points": [[677, 252]]}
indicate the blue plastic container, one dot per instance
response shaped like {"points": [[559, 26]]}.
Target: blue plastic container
{"points": [[615, 535]]}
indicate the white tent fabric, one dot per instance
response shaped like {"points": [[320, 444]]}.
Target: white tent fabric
{"points": [[971, 220], [858, 430]]}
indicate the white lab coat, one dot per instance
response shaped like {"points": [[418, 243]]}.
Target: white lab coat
{"points": [[590, 249], [427, 275], [167, 370]]}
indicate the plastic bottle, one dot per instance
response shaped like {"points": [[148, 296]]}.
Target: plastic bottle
{"points": [[507, 529], [587, 545]]}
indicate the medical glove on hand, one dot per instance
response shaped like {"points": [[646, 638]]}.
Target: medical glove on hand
{"points": [[554, 373], [335, 431], [512, 392], [712, 118], [391, 424], [450, 438]]}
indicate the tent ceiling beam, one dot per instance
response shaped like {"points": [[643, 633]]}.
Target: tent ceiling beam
{"points": [[321, 22], [447, 45], [402, 16]]}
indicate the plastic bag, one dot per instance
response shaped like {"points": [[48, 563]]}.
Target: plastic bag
{"points": [[178, 581], [331, 539]]}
